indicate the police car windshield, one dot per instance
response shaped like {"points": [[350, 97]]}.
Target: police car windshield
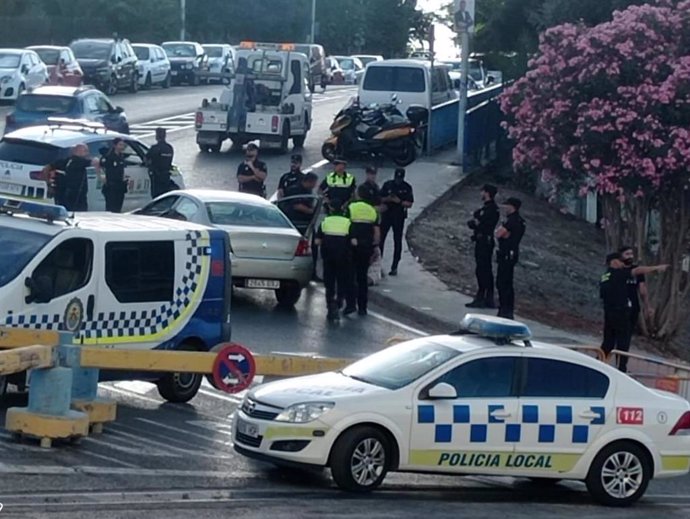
{"points": [[246, 215], [400, 365], [18, 247]]}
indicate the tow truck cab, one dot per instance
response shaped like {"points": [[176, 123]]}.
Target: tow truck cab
{"points": [[268, 99]]}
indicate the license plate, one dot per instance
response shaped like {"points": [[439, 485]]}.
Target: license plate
{"points": [[7, 187], [248, 429], [262, 283]]}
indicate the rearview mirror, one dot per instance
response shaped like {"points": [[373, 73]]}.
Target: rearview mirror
{"points": [[119, 109], [25, 69], [443, 391], [40, 289]]}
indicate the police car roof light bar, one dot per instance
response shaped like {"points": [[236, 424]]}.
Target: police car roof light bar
{"points": [[501, 330], [59, 122], [48, 212]]}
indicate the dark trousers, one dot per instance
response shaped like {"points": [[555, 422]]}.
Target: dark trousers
{"points": [[361, 258], [483, 255], [337, 279], [72, 202], [396, 223], [160, 184], [114, 201], [504, 284], [617, 334]]}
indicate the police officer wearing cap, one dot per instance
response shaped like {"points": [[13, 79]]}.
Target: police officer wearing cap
{"points": [[113, 164], [339, 186], [292, 179], [483, 225], [397, 197], [160, 160], [252, 173], [509, 235], [373, 190]]}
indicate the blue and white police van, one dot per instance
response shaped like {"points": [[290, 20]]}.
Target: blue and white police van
{"points": [[483, 401], [115, 281]]}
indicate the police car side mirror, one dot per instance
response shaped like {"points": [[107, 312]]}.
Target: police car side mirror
{"points": [[442, 391], [40, 289]]}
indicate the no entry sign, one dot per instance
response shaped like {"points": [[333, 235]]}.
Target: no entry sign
{"points": [[233, 369]]}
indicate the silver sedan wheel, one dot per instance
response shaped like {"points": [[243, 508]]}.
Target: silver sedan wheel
{"points": [[368, 462], [622, 475]]}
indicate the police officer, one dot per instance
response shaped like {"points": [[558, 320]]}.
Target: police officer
{"points": [[252, 173], [483, 225], [300, 211], [509, 235], [339, 186], [615, 294], [113, 164], [637, 289], [292, 179], [365, 235], [159, 160], [373, 194], [334, 239], [398, 197], [67, 179]]}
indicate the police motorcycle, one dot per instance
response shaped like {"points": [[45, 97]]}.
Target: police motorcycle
{"points": [[376, 130]]}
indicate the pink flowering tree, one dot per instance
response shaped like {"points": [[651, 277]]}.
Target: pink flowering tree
{"points": [[607, 109]]}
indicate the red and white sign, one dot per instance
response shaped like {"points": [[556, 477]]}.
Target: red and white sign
{"points": [[630, 415]]}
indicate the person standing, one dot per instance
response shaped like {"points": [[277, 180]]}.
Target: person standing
{"points": [[365, 235], [373, 194], [637, 289], [300, 211], [252, 173], [509, 235], [333, 238], [483, 225], [615, 295], [397, 197], [115, 186], [338, 188], [160, 162], [291, 180], [67, 178]]}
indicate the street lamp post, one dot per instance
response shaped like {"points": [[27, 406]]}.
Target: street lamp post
{"points": [[312, 34], [183, 19]]}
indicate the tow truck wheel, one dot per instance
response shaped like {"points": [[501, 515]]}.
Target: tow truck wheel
{"points": [[619, 474], [360, 459], [285, 138], [180, 387], [215, 148]]}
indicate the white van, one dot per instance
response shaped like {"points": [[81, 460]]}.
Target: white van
{"points": [[411, 80]]}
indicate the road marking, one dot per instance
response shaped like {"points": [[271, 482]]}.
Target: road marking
{"points": [[186, 432], [7, 468], [316, 165], [161, 437], [107, 458], [165, 446], [114, 443]]}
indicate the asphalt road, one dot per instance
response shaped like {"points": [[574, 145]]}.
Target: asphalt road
{"points": [[160, 460]]}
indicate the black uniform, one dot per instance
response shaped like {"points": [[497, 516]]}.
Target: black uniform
{"points": [[159, 159], [115, 185], [614, 293], [373, 193], [289, 182], [299, 219], [507, 256], [633, 295], [364, 220], [254, 187], [394, 216], [484, 225], [71, 184]]}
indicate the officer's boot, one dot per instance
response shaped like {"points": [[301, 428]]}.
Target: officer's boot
{"points": [[477, 302]]}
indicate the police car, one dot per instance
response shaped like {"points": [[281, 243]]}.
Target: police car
{"points": [[115, 281], [483, 401]]}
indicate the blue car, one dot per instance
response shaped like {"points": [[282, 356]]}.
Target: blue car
{"points": [[86, 103]]}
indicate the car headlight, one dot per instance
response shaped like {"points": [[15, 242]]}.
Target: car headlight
{"points": [[304, 413], [189, 66], [5, 79]]}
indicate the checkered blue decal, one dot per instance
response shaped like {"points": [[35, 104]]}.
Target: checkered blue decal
{"points": [[459, 427]]}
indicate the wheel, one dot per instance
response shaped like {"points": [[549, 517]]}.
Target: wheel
{"points": [[168, 80], [288, 296], [328, 151], [196, 81], [20, 90], [180, 387], [3, 386], [360, 459], [147, 81], [298, 140], [619, 474], [215, 148], [285, 138], [134, 85], [111, 89], [204, 148], [407, 156]]}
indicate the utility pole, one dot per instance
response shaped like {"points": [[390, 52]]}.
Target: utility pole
{"points": [[462, 106], [312, 35], [432, 41], [183, 19]]}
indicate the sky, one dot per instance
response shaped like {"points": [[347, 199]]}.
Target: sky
{"points": [[444, 45]]}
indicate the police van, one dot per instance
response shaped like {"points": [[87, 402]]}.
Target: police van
{"points": [[115, 281]]}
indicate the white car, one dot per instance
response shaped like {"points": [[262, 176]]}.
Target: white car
{"points": [[20, 70], [483, 401], [368, 58], [154, 65], [221, 62], [353, 69]]}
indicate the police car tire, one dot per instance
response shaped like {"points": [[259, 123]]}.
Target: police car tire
{"points": [[594, 482], [342, 457], [169, 388]]}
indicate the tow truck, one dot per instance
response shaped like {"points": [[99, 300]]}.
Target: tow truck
{"points": [[267, 99]]}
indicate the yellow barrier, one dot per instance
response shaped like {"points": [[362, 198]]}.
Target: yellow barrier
{"points": [[292, 366], [28, 357], [18, 338]]}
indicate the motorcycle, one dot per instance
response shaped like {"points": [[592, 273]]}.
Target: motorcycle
{"points": [[376, 130]]}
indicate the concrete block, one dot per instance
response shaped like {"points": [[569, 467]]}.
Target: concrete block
{"points": [[50, 392]]}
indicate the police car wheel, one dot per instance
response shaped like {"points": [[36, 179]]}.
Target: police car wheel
{"points": [[619, 474], [360, 459], [179, 387]]}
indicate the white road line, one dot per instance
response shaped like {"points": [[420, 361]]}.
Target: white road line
{"points": [[316, 165], [108, 458], [163, 437], [191, 452], [133, 395], [124, 471], [186, 432]]}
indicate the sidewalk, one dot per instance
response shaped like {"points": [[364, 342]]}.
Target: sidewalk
{"points": [[417, 293]]}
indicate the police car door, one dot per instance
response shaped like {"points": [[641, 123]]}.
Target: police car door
{"points": [[61, 285], [564, 407], [473, 431]]}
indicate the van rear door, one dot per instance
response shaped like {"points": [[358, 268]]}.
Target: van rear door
{"points": [[382, 80]]}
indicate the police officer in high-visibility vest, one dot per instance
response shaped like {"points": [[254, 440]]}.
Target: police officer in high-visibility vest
{"points": [[339, 186], [334, 239], [365, 235]]}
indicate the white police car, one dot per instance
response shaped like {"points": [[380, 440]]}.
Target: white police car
{"points": [[482, 401]]}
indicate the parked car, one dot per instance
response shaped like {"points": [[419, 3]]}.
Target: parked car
{"points": [[221, 62], [477, 75], [63, 67], [317, 64], [109, 64], [20, 70], [86, 103], [368, 58], [154, 65], [353, 70], [335, 74], [268, 252], [187, 61]]}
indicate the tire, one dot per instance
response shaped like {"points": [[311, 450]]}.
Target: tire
{"points": [[134, 85], [328, 151], [407, 156], [288, 296], [167, 82], [215, 148], [179, 388], [624, 460], [3, 386], [20, 90], [366, 444], [299, 140], [204, 148], [196, 81], [285, 138], [147, 82], [111, 89]]}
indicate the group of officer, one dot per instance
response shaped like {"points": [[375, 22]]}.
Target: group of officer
{"points": [[485, 235]]}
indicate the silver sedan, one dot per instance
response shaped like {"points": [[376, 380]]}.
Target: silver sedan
{"points": [[267, 250]]}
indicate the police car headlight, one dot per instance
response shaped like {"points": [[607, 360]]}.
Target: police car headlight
{"points": [[304, 413]]}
